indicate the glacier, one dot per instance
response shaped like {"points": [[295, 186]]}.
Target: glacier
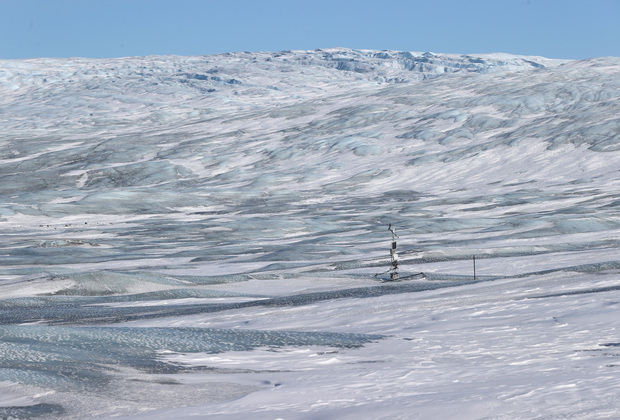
{"points": [[205, 237]]}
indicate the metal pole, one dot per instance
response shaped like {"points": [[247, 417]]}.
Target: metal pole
{"points": [[474, 267]]}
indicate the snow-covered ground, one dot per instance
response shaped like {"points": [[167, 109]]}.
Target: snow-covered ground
{"points": [[194, 237]]}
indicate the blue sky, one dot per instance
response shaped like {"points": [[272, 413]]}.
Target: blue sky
{"points": [[116, 28]]}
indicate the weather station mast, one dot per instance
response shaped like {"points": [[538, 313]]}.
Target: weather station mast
{"points": [[394, 255], [394, 275]]}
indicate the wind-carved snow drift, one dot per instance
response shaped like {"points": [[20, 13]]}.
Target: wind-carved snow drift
{"points": [[247, 196]]}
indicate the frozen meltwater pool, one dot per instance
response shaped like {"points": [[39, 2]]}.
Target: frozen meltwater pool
{"points": [[92, 361]]}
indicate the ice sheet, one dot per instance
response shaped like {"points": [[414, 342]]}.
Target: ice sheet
{"points": [[194, 237]]}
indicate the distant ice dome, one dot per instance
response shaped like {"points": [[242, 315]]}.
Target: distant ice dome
{"points": [[50, 93]]}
